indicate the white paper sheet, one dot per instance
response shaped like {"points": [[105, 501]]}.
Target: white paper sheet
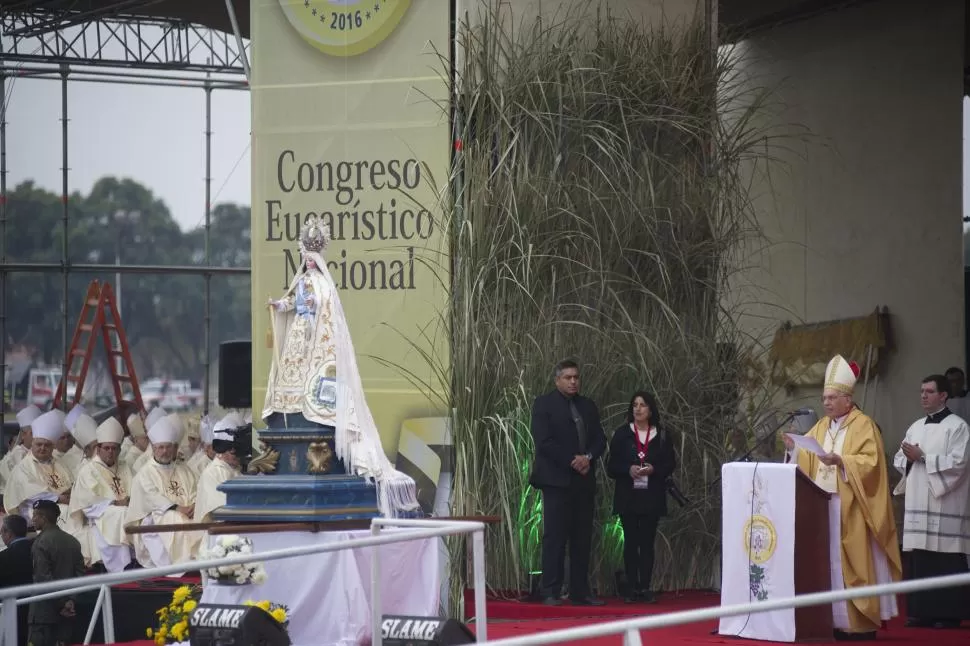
{"points": [[807, 443]]}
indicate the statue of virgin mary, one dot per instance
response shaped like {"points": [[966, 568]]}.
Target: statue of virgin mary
{"points": [[314, 374]]}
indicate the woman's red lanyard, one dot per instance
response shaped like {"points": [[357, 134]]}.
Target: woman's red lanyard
{"points": [[641, 446]]}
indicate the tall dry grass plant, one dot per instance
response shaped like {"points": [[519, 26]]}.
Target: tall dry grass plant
{"points": [[598, 206]]}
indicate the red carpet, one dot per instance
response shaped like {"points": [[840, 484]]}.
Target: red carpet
{"points": [[514, 618]]}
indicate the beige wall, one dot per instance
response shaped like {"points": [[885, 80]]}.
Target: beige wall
{"points": [[867, 212], [654, 11]]}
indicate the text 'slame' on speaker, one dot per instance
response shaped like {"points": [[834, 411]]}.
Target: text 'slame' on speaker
{"points": [[236, 374]]}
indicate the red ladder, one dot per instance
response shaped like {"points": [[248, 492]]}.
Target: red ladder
{"points": [[100, 314]]}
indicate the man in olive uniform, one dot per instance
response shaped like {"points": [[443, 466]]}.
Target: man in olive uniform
{"points": [[56, 556]]}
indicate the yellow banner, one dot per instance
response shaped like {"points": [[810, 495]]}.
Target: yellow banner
{"points": [[345, 125]]}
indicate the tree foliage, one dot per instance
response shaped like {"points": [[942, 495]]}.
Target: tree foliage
{"points": [[122, 220]]}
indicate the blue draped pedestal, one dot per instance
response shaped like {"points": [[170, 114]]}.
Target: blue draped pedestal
{"points": [[298, 478]]}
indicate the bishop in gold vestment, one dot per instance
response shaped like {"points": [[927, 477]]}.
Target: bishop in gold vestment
{"points": [[854, 470]]}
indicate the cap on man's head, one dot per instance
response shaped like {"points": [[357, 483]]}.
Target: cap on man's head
{"points": [[48, 426], [224, 427], [27, 415], [163, 431], [135, 426], [153, 416], [110, 432], [73, 416], [841, 375], [85, 430]]}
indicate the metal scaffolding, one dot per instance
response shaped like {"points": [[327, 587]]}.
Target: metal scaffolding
{"points": [[113, 42]]}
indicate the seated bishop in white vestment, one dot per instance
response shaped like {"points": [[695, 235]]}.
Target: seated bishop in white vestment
{"points": [[153, 416], [224, 465], [39, 476], [204, 455], [85, 434], [21, 448], [163, 493], [135, 444], [100, 499], [66, 450]]}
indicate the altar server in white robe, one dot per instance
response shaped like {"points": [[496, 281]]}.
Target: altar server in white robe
{"points": [[163, 493], [21, 448], [100, 499], [153, 416], [224, 465], [136, 443], [39, 476], [203, 457], [933, 459]]}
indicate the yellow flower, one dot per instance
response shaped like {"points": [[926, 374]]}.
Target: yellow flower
{"points": [[149, 633], [279, 615], [162, 632], [248, 602], [159, 641], [189, 605], [181, 594], [162, 612], [264, 605]]}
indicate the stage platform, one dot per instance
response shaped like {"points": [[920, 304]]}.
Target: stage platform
{"points": [[516, 618]]}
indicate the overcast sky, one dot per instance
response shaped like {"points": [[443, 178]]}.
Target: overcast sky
{"points": [[154, 135]]}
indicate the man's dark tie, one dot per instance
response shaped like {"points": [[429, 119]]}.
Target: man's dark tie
{"points": [[580, 425]]}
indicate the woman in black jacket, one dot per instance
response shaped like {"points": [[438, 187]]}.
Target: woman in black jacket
{"points": [[641, 459]]}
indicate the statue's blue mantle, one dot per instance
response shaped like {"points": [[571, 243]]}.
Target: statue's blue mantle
{"points": [[306, 481]]}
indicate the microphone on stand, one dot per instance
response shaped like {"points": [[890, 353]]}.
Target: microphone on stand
{"points": [[804, 418]]}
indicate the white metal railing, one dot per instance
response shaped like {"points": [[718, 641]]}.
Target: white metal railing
{"points": [[630, 628], [411, 530]]}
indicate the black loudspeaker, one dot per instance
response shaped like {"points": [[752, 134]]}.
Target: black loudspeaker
{"points": [[414, 631], [236, 374], [216, 625]]}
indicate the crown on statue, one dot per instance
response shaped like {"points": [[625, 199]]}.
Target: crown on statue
{"points": [[315, 235]]}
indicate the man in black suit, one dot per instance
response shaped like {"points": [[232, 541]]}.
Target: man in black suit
{"points": [[569, 440], [56, 556], [15, 565]]}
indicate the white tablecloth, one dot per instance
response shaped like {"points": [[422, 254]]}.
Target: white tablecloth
{"points": [[328, 594]]}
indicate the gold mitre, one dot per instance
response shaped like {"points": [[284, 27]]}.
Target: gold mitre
{"points": [[841, 375]]}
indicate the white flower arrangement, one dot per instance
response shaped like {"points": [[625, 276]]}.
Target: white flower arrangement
{"points": [[243, 573]]}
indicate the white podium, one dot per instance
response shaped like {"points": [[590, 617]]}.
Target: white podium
{"points": [[774, 545]]}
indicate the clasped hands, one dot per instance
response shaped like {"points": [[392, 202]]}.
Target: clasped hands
{"points": [[912, 452], [637, 471], [580, 464]]}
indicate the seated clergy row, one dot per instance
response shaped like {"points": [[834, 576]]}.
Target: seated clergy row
{"points": [[105, 482]]}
